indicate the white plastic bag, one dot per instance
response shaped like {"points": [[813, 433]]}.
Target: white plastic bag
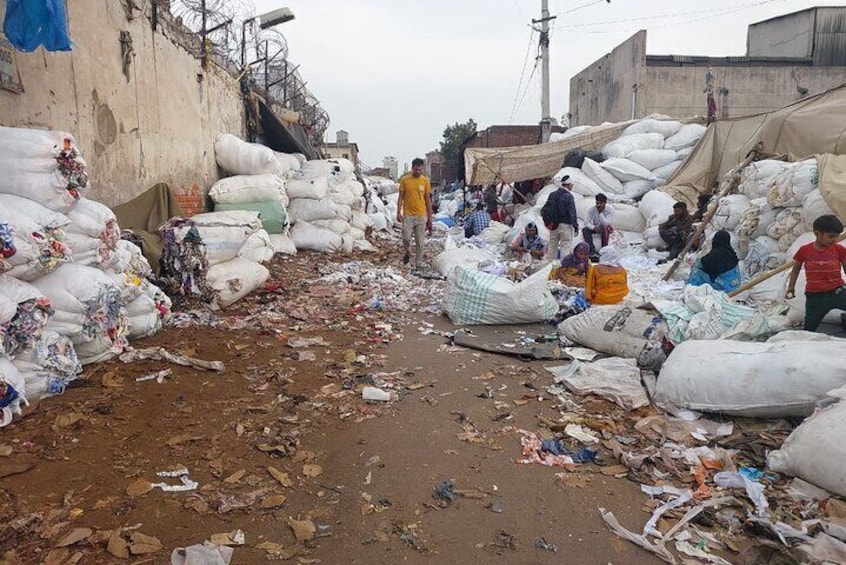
{"points": [[789, 187], [614, 330], [224, 233], [337, 225], [235, 279], [652, 159], [361, 221], [664, 127], [613, 378], [635, 189], [602, 178], [628, 218], [666, 171], [244, 189], [257, 248], [687, 136], [314, 189], [282, 243], [815, 451], [12, 206], [656, 207], [309, 210], [751, 379], [241, 158], [582, 183], [730, 211], [308, 236], [626, 145], [625, 169], [474, 298]]}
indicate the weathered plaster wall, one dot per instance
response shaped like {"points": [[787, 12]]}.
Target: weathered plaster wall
{"points": [[158, 124]]}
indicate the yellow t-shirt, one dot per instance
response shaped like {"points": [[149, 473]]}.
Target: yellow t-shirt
{"points": [[414, 190]]}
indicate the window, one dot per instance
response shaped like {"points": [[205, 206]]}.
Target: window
{"points": [[346, 155]]}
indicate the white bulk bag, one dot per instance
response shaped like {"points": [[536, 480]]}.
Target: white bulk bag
{"points": [[257, 248], [789, 187], [682, 154], [317, 168], [315, 189], [664, 127], [625, 170], [582, 184], [342, 194], [12, 206], [92, 219], [474, 298], [241, 158], [628, 218], [224, 233], [448, 260], [813, 206], [815, 451], [751, 379], [635, 189], [347, 243], [283, 244], [757, 177], [48, 365], [361, 221], [607, 182], [287, 163], [763, 255], [381, 222], [29, 160], [338, 226], [245, 189], [656, 207], [666, 171], [311, 237], [357, 234], [730, 210], [235, 279], [652, 239], [652, 159], [624, 146], [38, 251], [307, 210], [622, 339], [687, 136]]}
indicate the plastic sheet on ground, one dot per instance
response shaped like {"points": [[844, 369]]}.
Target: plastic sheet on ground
{"points": [[615, 379]]}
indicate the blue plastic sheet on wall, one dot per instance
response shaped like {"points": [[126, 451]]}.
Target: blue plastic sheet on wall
{"points": [[32, 23]]}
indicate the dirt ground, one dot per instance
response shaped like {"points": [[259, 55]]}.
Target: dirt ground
{"points": [[364, 474]]}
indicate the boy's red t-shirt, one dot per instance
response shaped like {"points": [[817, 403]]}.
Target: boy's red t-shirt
{"points": [[822, 268]]}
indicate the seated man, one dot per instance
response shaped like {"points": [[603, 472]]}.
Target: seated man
{"points": [[529, 242], [676, 229], [599, 221], [477, 222]]}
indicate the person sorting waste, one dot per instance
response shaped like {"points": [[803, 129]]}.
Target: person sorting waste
{"points": [[574, 267], [477, 222], [719, 267], [676, 230], [560, 216], [600, 219], [414, 211], [607, 282], [824, 261], [529, 242]]}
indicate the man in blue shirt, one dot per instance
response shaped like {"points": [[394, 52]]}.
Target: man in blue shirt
{"points": [[477, 222]]}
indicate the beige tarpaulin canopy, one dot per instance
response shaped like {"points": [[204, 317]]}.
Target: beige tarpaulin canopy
{"points": [[815, 125], [515, 164]]}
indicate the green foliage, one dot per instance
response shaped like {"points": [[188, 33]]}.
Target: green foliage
{"points": [[454, 136]]}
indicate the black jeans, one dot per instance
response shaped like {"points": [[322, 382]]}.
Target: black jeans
{"points": [[675, 239]]}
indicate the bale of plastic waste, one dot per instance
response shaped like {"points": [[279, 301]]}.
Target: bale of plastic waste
{"points": [[48, 365], [620, 331], [43, 166], [311, 237], [93, 233], [815, 451], [476, 298], [241, 158], [24, 313], [39, 249], [753, 379], [235, 279], [88, 308], [242, 189], [12, 392]]}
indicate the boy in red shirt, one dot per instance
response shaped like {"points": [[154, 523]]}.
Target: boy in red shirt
{"points": [[823, 260]]}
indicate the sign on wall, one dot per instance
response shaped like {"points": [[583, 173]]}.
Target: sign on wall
{"points": [[10, 79]]}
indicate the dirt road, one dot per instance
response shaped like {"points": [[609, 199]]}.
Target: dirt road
{"points": [[365, 475]]}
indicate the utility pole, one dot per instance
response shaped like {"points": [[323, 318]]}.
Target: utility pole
{"points": [[546, 118]]}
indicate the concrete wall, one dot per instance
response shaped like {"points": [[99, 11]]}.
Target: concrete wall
{"points": [[603, 91], [158, 124], [678, 91]]}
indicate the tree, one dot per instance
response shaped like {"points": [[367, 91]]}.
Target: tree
{"points": [[454, 136]]}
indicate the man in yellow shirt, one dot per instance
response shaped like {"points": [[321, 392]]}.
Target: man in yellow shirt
{"points": [[414, 211]]}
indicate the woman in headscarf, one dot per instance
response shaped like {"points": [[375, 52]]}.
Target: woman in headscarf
{"points": [[529, 242], [719, 267], [607, 281], [574, 267]]}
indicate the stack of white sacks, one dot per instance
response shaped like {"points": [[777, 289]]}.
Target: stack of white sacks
{"points": [[328, 207], [381, 196], [66, 279]]}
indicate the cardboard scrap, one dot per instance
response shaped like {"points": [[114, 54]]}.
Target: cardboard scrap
{"points": [[75, 536], [304, 530], [281, 477]]}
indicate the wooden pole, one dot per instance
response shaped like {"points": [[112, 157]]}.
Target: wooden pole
{"points": [[769, 274], [730, 181]]}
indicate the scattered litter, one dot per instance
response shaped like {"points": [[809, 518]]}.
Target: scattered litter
{"points": [[580, 433], [187, 484], [541, 543], [159, 377], [232, 538], [375, 394], [297, 342], [205, 554], [161, 354]]}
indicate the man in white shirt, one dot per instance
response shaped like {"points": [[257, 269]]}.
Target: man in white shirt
{"points": [[599, 221]]}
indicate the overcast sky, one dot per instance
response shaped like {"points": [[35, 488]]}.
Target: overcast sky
{"points": [[394, 73]]}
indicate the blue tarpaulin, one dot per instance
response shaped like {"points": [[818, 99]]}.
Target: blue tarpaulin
{"points": [[32, 23]]}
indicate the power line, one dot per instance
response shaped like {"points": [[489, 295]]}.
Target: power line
{"points": [[522, 74], [577, 8], [528, 84], [715, 12]]}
